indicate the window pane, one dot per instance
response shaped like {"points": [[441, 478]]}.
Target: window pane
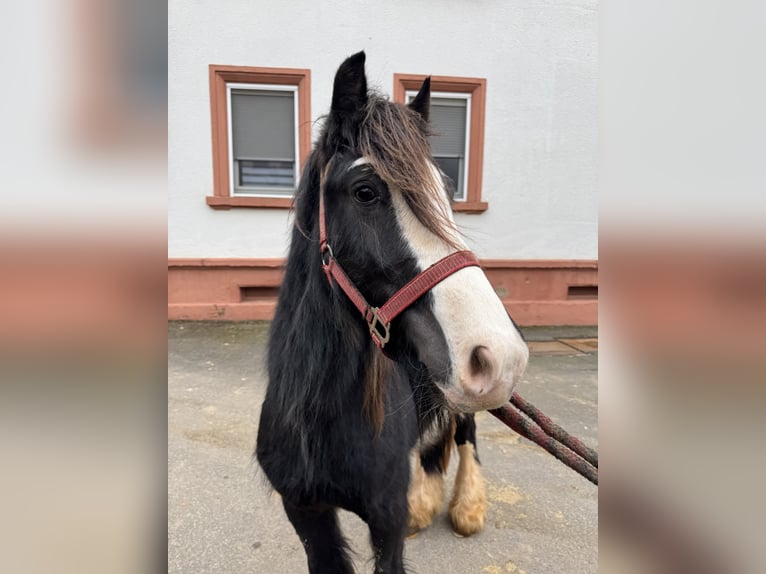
{"points": [[263, 173], [453, 168], [263, 125], [448, 117]]}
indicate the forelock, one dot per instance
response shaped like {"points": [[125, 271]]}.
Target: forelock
{"points": [[394, 141]]}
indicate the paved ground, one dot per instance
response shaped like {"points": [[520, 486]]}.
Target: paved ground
{"points": [[222, 518]]}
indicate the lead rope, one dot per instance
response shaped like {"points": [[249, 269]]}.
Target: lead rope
{"points": [[541, 430]]}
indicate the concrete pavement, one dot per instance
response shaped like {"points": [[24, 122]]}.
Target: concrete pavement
{"points": [[222, 518]]}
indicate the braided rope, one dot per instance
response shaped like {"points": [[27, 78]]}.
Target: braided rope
{"points": [[529, 429], [554, 430]]}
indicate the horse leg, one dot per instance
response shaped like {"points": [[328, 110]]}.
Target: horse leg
{"points": [[468, 507], [426, 494], [318, 529], [388, 528]]}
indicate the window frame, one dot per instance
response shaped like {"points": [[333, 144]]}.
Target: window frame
{"points": [[247, 77], [453, 86]]}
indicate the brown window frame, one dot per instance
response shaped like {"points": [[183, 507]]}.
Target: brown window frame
{"points": [[477, 87], [219, 77]]}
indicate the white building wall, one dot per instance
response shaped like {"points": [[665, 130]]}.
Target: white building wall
{"points": [[540, 61]]}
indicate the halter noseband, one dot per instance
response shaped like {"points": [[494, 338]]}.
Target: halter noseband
{"points": [[379, 318]]}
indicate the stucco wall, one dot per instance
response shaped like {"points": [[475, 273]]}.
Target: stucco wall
{"points": [[540, 149]]}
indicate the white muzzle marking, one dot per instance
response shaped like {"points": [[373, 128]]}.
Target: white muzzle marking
{"points": [[487, 352]]}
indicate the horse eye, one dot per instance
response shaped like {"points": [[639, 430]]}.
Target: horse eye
{"points": [[365, 195]]}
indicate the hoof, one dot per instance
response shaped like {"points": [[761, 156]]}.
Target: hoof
{"points": [[467, 516]]}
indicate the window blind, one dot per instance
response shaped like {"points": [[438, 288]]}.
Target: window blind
{"points": [[263, 124], [448, 117], [448, 122]]}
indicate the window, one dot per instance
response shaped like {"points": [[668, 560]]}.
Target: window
{"points": [[261, 135], [263, 122], [457, 119], [450, 117]]}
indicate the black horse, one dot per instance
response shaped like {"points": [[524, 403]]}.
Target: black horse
{"points": [[341, 419]]}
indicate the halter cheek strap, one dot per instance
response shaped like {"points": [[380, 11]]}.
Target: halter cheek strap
{"points": [[379, 318]]}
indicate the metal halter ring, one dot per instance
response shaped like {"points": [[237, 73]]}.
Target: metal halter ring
{"points": [[327, 250]]}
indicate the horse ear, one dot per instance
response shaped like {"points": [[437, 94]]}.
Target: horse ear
{"points": [[422, 102], [349, 96], [349, 93]]}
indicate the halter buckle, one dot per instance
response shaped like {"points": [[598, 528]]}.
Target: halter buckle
{"points": [[376, 324]]}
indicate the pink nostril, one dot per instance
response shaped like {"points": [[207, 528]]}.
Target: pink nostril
{"points": [[482, 382], [481, 363]]}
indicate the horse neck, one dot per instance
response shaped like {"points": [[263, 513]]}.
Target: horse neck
{"points": [[317, 348]]}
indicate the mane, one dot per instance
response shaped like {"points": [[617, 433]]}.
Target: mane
{"points": [[395, 140]]}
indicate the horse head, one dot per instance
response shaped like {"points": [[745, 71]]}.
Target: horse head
{"points": [[388, 218]]}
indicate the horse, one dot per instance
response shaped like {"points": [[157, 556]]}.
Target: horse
{"points": [[360, 412]]}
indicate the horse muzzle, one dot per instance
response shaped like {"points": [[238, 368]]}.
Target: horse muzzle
{"points": [[486, 380]]}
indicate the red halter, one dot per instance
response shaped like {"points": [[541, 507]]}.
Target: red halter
{"points": [[379, 318]]}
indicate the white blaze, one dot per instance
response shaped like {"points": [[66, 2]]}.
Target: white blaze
{"points": [[470, 314], [357, 162]]}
